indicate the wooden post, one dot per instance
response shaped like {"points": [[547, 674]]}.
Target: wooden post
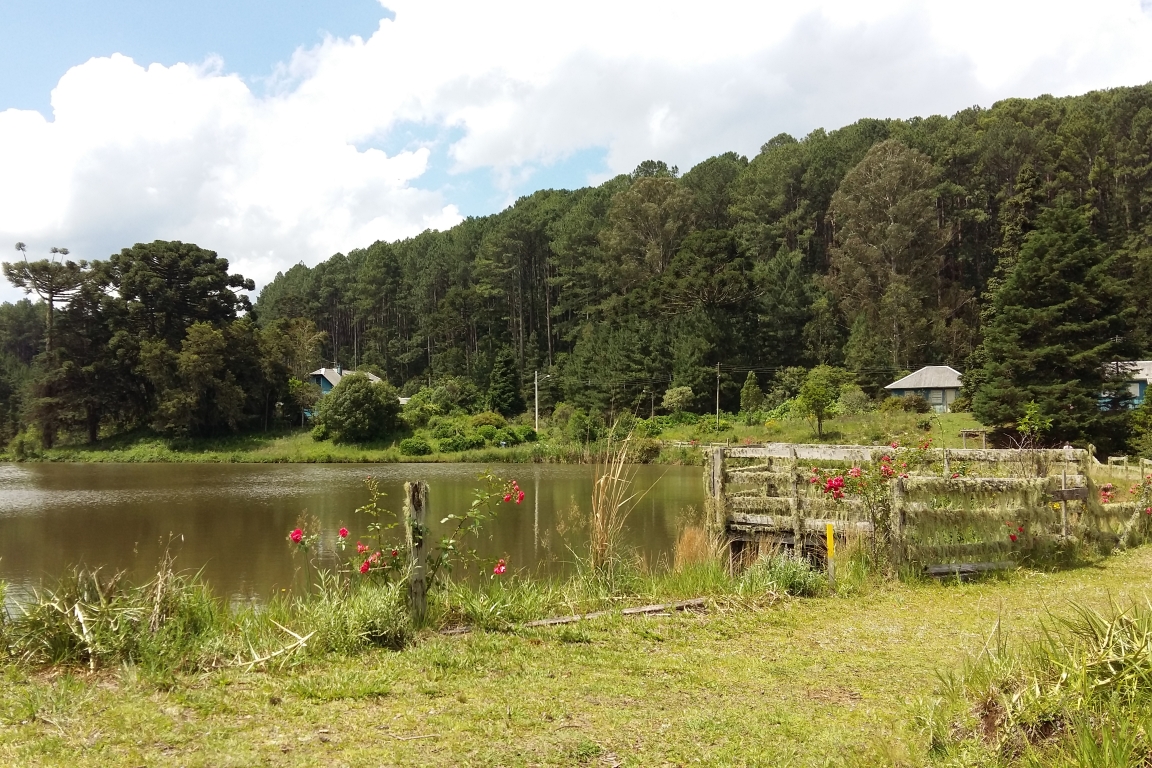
{"points": [[830, 537], [716, 491], [415, 512], [1064, 504], [896, 525], [795, 504]]}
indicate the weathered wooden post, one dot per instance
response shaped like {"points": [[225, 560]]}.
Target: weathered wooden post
{"points": [[415, 528], [794, 503], [896, 524], [830, 539]]}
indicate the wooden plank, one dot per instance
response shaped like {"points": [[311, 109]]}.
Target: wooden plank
{"points": [[967, 569], [745, 521], [1069, 494], [929, 484]]}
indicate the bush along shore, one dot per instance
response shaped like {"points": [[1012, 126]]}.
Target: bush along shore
{"points": [[1072, 691], [674, 439]]}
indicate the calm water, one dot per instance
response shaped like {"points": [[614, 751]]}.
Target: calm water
{"points": [[232, 520]]}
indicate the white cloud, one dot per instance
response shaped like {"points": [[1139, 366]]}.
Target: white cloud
{"points": [[135, 153]]}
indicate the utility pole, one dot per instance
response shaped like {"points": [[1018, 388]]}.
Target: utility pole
{"points": [[536, 391], [717, 395]]}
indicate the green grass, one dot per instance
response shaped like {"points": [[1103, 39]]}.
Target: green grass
{"points": [[755, 680], [297, 446]]}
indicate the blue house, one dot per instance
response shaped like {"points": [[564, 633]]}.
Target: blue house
{"points": [[1140, 375], [938, 384], [327, 378]]}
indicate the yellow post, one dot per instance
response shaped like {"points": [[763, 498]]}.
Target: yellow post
{"points": [[830, 535]]}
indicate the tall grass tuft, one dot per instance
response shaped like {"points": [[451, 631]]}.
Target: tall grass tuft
{"points": [[1078, 694], [778, 572], [614, 496]]}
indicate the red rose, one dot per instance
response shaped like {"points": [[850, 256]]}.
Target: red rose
{"points": [[365, 566], [343, 533], [1012, 536], [297, 536]]}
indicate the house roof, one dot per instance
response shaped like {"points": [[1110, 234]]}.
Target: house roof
{"points": [[1141, 370], [929, 377], [333, 375]]}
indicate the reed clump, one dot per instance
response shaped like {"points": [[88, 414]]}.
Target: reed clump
{"points": [[174, 623], [1078, 694]]}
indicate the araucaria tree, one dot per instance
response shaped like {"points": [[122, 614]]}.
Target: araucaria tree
{"points": [[1058, 324]]}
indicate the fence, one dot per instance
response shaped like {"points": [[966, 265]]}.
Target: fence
{"points": [[945, 508]]}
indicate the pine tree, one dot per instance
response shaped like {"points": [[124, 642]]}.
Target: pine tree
{"points": [[504, 385], [1058, 319], [751, 397]]}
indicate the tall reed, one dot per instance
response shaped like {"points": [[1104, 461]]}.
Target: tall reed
{"points": [[614, 496]]}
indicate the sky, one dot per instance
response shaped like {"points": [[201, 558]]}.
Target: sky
{"points": [[282, 132]]}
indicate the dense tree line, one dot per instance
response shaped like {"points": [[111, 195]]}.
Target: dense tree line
{"points": [[974, 240]]}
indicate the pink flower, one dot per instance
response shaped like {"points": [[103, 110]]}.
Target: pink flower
{"points": [[520, 497], [893, 445], [343, 532], [1020, 529], [375, 557], [1148, 510], [955, 475], [297, 536], [1012, 536], [395, 553], [361, 548], [507, 497], [854, 472], [365, 566], [500, 568]]}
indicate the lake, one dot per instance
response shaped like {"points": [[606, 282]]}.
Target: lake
{"points": [[232, 520]]}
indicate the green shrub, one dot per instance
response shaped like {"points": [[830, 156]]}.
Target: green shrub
{"points": [[347, 619], [474, 441], [415, 446], [320, 432], [648, 428], [487, 431], [915, 403], [488, 418], [781, 572], [453, 444], [853, 401], [527, 434], [506, 437], [892, 404], [678, 399], [643, 450], [961, 404], [358, 410], [445, 429]]}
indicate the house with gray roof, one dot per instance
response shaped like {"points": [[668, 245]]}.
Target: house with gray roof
{"points": [[327, 378], [938, 384], [1139, 376]]}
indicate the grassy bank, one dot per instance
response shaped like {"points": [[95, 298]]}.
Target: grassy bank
{"points": [[756, 679], [297, 446]]}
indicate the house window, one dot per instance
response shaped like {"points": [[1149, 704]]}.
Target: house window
{"points": [[936, 396]]}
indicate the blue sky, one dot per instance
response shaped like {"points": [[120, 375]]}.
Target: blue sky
{"points": [[282, 132], [44, 39]]}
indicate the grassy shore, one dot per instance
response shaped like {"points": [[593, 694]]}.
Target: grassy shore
{"points": [[297, 446], [788, 681]]}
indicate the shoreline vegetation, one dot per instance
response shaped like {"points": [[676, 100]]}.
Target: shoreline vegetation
{"points": [[413, 641], [773, 667], [672, 446]]}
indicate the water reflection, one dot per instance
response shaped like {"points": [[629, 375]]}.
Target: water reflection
{"points": [[232, 520]]}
